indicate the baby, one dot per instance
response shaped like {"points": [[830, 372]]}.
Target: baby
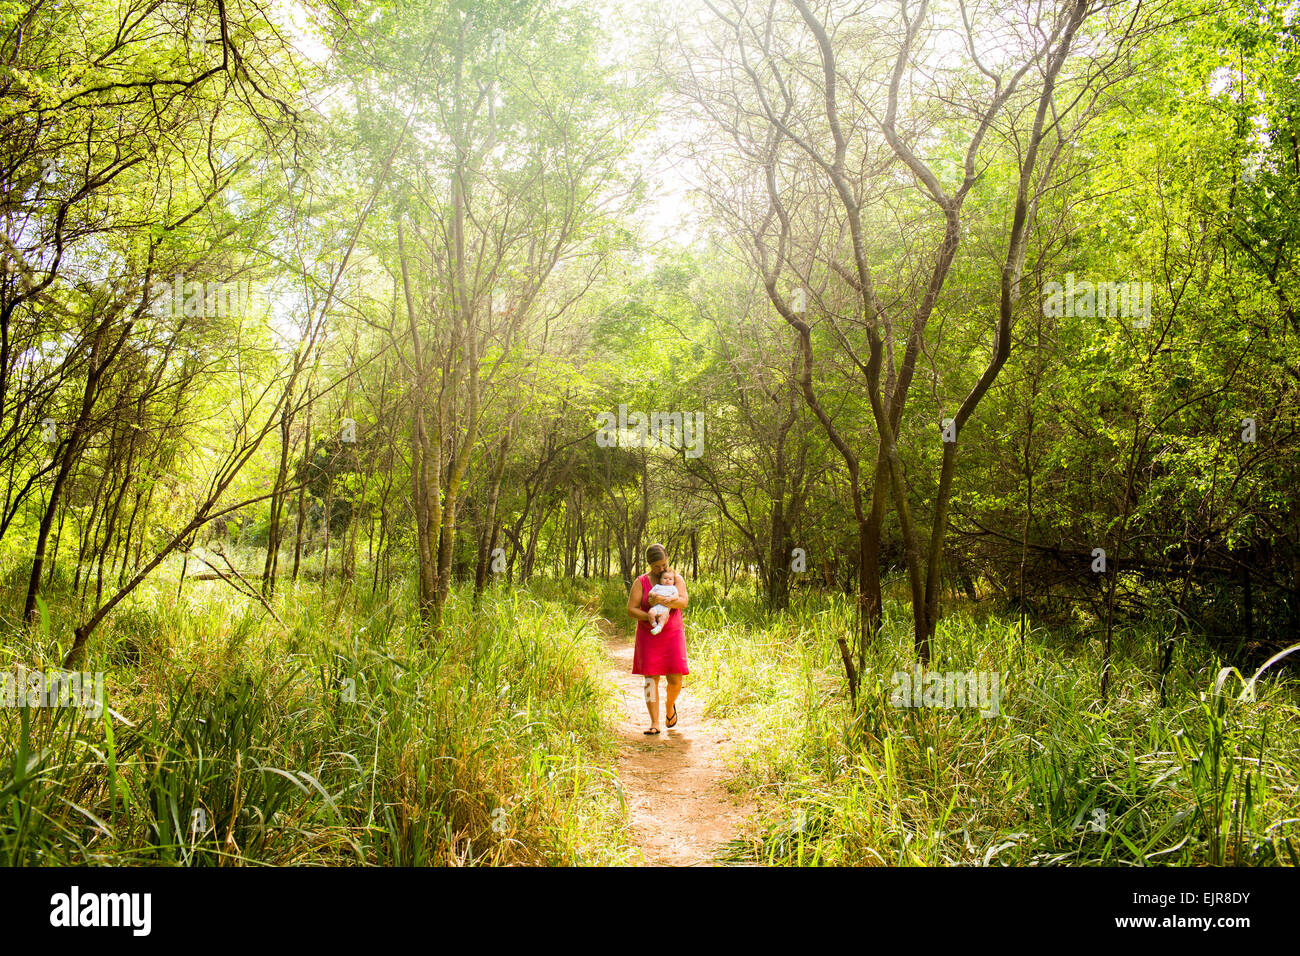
{"points": [[665, 588]]}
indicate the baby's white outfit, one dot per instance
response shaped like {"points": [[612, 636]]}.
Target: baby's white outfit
{"points": [[659, 613]]}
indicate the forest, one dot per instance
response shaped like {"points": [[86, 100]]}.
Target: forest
{"points": [[355, 353]]}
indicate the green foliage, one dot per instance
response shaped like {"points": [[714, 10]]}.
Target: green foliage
{"points": [[1055, 778], [362, 746]]}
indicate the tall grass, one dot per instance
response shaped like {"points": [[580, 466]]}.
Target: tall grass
{"points": [[342, 738], [345, 737], [1055, 778]]}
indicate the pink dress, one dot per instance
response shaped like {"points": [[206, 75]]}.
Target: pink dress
{"points": [[662, 653]]}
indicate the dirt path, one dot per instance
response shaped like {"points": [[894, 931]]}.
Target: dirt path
{"points": [[681, 812]]}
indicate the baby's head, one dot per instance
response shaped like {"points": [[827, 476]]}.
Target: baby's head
{"points": [[666, 578]]}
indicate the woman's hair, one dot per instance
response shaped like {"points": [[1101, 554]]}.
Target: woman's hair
{"points": [[656, 552]]}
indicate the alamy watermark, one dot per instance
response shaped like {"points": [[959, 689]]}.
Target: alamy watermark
{"points": [[652, 430], [177, 297], [32, 688], [194, 299], [1101, 300], [980, 689], [75, 908]]}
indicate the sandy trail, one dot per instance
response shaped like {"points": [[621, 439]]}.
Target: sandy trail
{"points": [[680, 811]]}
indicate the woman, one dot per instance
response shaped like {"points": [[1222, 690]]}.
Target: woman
{"points": [[662, 654]]}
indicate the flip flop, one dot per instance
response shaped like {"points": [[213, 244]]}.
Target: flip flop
{"points": [[673, 720], [653, 730]]}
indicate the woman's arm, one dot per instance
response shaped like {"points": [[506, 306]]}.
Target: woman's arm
{"points": [[634, 603]]}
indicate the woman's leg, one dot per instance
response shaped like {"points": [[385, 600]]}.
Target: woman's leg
{"points": [[674, 688], [652, 699]]}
